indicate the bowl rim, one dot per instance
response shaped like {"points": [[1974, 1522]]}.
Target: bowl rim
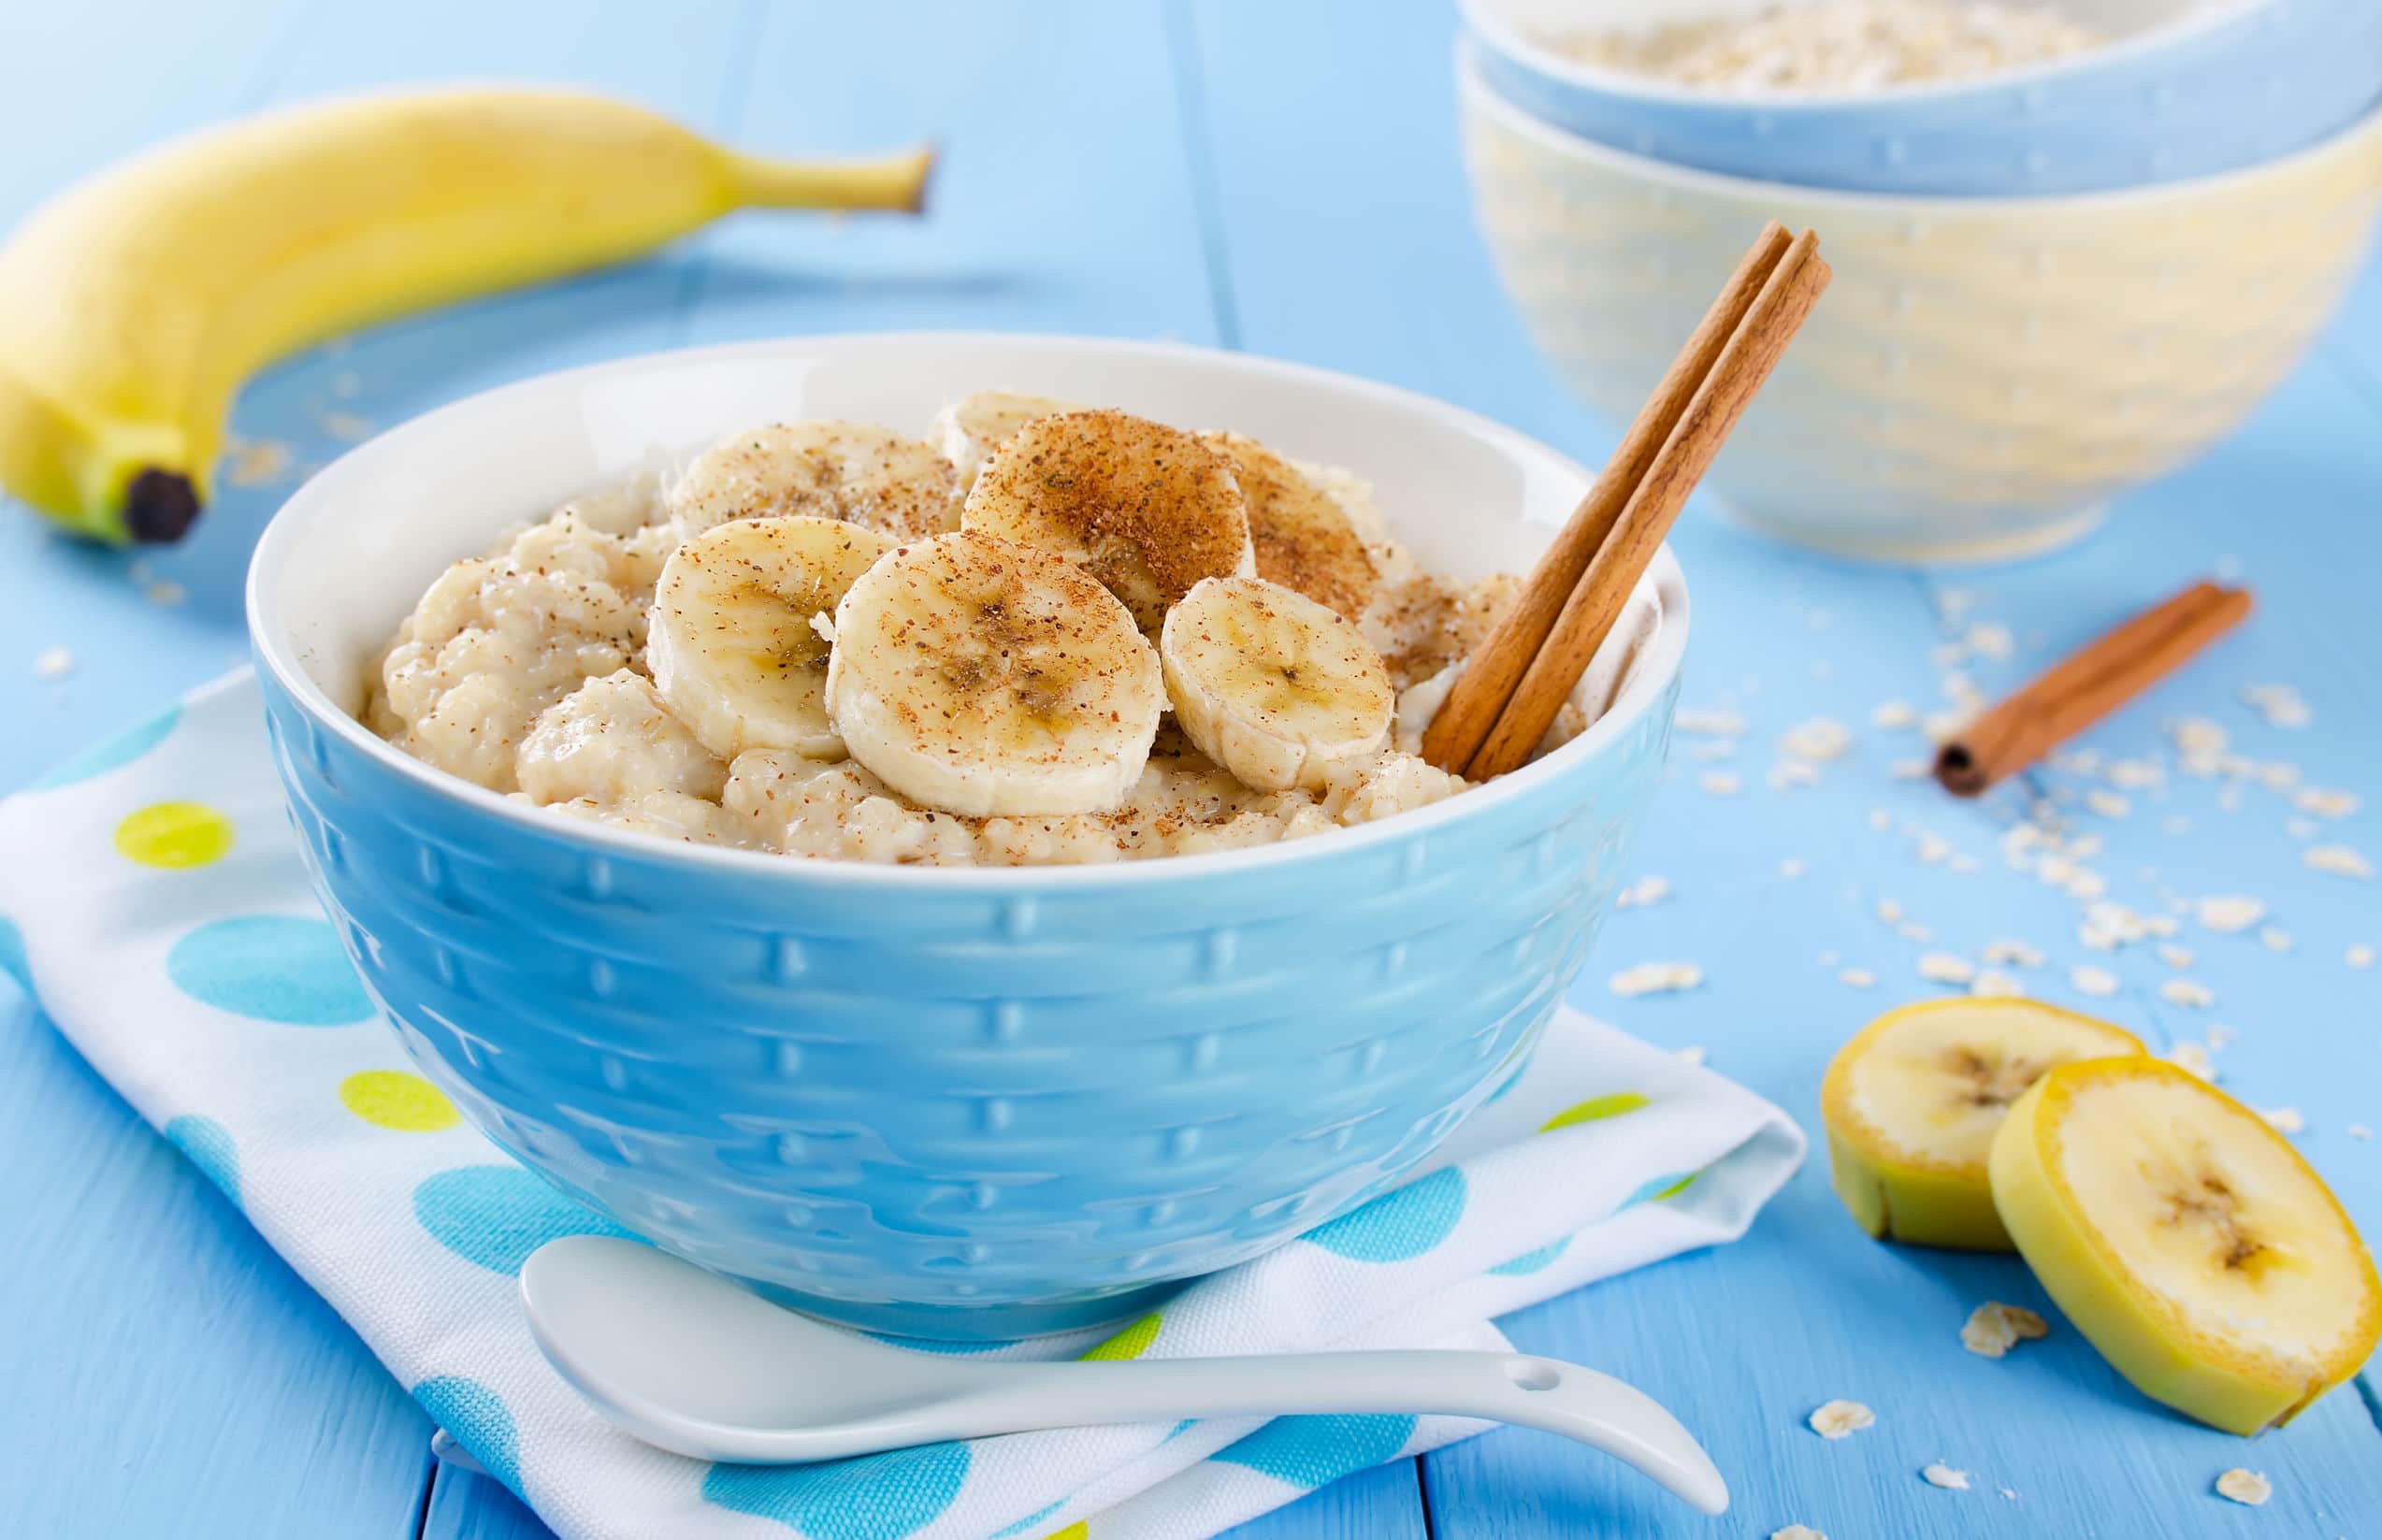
{"points": [[1475, 87], [1485, 18], [276, 654]]}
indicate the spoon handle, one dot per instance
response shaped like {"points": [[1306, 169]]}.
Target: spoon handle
{"points": [[1596, 1409]]}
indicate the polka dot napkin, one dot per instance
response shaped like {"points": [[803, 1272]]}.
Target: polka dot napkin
{"points": [[153, 903]]}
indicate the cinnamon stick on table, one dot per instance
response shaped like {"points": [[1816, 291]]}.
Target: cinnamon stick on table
{"points": [[2087, 685]]}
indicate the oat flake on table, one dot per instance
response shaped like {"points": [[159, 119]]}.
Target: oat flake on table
{"points": [[1655, 978], [1798, 1531], [1938, 1474], [1993, 1328], [2245, 1486], [1837, 1419]]}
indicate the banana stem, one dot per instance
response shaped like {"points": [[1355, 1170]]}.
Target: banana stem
{"points": [[896, 182]]}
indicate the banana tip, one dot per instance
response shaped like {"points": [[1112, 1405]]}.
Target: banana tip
{"points": [[928, 157], [160, 506]]}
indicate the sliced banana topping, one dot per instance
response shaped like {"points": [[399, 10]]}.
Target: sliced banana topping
{"points": [[1274, 687], [1302, 537], [854, 471], [735, 644], [2187, 1240], [981, 677], [1148, 509], [1913, 1101], [972, 428]]}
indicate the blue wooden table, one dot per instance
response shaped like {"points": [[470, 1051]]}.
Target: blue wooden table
{"points": [[1282, 180]]}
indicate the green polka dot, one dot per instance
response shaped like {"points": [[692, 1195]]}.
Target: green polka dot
{"points": [[1675, 1188], [1596, 1107], [1077, 1530], [1131, 1343], [392, 1098], [173, 835]]}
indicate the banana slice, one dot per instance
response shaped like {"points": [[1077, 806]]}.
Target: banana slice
{"points": [[854, 471], [735, 643], [1146, 509], [972, 428], [2187, 1240], [1303, 540], [1910, 1104], [1274, 687], [982, 677]]}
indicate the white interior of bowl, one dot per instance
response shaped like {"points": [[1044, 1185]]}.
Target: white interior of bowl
{"points": [[347, 557], [1518, 29]]}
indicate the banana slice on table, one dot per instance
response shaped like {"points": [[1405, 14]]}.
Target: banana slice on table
{"points": [[1277, 688], [981, 677], [734, 639], [972, 428], [1911, 1104], [854, 471], [1303, 540], [2187, 1240], [1147, 509]]}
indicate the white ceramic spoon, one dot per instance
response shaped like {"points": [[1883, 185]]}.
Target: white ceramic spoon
{"points": [[686, 1361]]}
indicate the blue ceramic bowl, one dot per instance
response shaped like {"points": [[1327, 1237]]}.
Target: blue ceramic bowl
{"points": [[2192, 88], [950, 1103]]}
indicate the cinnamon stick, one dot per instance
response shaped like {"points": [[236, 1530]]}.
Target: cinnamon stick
{"points": [[2086, 686], [1496, 667], [1594, 603]]}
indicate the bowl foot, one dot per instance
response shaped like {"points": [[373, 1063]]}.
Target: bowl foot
{"points": [[946, 1326], [1951, 549]]}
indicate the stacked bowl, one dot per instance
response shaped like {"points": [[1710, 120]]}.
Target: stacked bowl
{"points": [[2053, 282]]}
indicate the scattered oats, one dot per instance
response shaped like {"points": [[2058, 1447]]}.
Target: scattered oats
{"points": [[1988, 639], [2136, 774], [2188, 992], [347, 384], [2198, 738], [1889, 911], [1993, 1328], [2340, 860], [2016, 952], [1798, 1531], [1830, 959], [2077, 761], [1881, 820], [1933, 848], [347, 426], [1940, 725], [1960, 689], [1707, 724], [1791, 867], [2278, 777], [2231, 913], [1893, 716], [1841, 1419], [2161, 925], [54, 663], [2108, 804], [1821, 738], [2246, 1486], [2274, 939], [2010, 1493], [1713, 748], [1720, 783], [2087, 886], [1655, 978], [1911, 931], [2193, 1059], [1788, 773], [1941, 1474], [2326, 805], [2359, 1131], [1645, 890], [254, 462], [1911, 770], [2299, 829], [2099, 982], [2229, 799], [2281, 1120], [2177, 957], [1944, 654], [1857, 978], [1944, 968], [1693, 1054], [1993, 983], [2083, 847], [1963, 861], [167, 593], [1952, 603], [2279, 704], [2358, 955], [2219, 1036]]}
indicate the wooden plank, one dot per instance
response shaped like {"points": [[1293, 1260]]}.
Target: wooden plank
{"points": [[1351, 244], [465, 1507]]}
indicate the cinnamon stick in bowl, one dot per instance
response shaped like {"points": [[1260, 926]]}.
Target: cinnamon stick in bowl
{"points": [[2086, 686]]}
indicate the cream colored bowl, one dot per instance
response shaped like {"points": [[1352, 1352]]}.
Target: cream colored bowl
{"points": [[1984, 375]]}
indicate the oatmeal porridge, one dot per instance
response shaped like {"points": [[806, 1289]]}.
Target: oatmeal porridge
{"points": [[1050, 635]]}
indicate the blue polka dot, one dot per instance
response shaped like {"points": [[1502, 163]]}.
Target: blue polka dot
{"points": [[118, 751], [12, 955], [272, 967], [1313, 1451], [475, 1417], [1028, 1521], [496, 1215], [209, 1148], [1532, 1261], [875, 1497], [1398, 1225]]}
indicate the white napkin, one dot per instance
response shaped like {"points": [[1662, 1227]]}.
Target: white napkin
{"points": [[153, 901]]}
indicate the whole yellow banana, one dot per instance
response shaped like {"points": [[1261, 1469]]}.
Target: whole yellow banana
{"points": [[133, 305]]}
